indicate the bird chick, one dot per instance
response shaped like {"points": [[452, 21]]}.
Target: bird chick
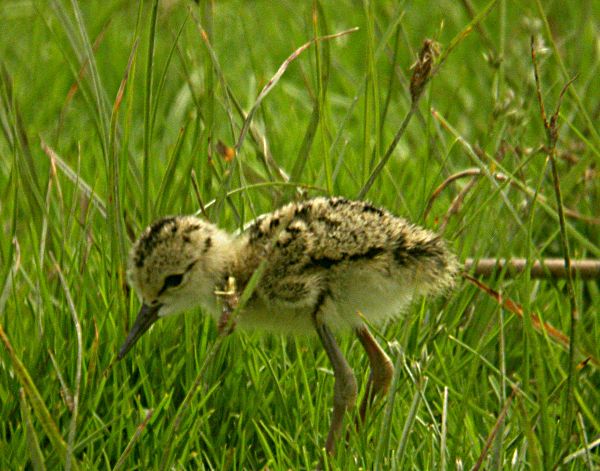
{"points": [[330, 264]]}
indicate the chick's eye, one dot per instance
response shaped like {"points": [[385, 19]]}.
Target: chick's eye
{"points": [[172, 280]]}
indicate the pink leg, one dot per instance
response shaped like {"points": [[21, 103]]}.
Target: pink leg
{"points": [[382, 369], [345, 389]]}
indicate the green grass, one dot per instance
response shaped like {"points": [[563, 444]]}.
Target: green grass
{"points": [[158, 85]]}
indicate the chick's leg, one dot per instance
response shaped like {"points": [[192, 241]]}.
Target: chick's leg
{"points": [[345, 389], [382, 369]]}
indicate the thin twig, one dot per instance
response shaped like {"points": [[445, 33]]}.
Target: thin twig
{"points": [[196, 188], [457, 203], [546, 268], [502, 177], [484, 166], [494, 431], [422, 73], [552, 128], [456, 176], [271, 83], [507, 303], [582, 451], [138, 432], [365, 189], [75, 178]]}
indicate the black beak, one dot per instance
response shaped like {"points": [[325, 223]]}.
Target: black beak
{"points": [[147, 316]]}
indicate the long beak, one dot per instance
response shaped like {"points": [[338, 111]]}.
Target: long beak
{"points": [[147, 316]]}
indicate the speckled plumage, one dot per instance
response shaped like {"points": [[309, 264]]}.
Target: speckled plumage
{"points": [[328, 263], [349, 254]]}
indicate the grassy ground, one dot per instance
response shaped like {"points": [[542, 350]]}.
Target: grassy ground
{"points": [[111, 115]]}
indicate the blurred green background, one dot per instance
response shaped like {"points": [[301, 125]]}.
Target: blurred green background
{"points": [[115, 113]]}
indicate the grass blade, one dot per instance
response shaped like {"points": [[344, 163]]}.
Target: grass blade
{"points": [[75, 396], [148, 97], [273, 81], [35, 452], [410, 420], [136, 436], [75, 178], [36, 401]]}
